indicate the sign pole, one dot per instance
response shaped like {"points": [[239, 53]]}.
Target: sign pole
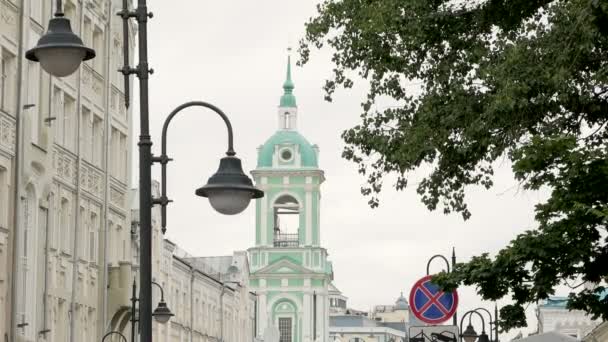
{"points": [[455, 318]]}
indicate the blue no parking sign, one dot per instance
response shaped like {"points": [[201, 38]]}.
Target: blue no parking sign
{"points": [[431, 305]]}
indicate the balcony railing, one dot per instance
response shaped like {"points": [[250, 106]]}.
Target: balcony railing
{"points": [[286, 240]]}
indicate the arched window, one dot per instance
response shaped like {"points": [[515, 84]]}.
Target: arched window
{"points": [[286, 221]]}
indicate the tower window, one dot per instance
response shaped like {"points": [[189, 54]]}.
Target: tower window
{"points": [[286, 222], [286, 123]]}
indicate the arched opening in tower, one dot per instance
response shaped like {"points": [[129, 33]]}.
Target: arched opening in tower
{"points": [[286, 222]]}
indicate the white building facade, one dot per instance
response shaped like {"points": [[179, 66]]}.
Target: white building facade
{"points": [[553, 316], [64, 177]]}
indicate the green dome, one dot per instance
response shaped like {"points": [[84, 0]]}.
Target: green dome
{"points": [[307, 151]]}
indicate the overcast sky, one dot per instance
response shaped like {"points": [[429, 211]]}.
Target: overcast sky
{"points": [[233, 54]]}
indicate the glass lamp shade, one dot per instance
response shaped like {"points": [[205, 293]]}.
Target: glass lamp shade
{"points": [[59, 50], [60, 62], [229, 202], [469, 335], [229, 190], [162, 314]]}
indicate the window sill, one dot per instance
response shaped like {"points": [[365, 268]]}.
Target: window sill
{"points": [[39, 147]]}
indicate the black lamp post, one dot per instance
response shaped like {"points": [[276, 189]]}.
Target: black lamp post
{"points": [[229, 191], [447, 264]]}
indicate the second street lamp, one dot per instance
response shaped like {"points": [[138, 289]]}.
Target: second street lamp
{"points": [[229, 190], [470, 335], [161, 314]]}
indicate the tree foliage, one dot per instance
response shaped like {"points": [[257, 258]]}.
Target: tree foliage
{"points": [[522, 79]]}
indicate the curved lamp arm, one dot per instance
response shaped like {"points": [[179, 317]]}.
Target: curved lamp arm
{"points": [[114, 332], [483, 322], [493, 321], [428, 264], [162, 293], [164, 158]]}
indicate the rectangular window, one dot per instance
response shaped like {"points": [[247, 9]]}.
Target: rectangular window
{"points": [[118, 145], [86, 143], [36, 10], [65, 230], [8, 81], [52, 224], [124, 153], [117, 59], [87, 34], [99, 50], [93, 229], [82, 230], [57, 113], [97, 140], [69, 122], [4, 199], [285, 329], [34, 76], [69, 10], [112, 238]]}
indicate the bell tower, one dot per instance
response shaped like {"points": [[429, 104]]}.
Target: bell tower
{"points": [[289, 268]]}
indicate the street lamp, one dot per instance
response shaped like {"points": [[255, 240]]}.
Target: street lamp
{"points": [[470, 335], [493, 322], [161, 314], [59, 50], [229, 190]]}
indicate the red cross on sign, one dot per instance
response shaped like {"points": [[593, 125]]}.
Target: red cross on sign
{"points": [[431, 305]]}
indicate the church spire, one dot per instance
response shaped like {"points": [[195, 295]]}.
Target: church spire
{"points": [[288, 99]]}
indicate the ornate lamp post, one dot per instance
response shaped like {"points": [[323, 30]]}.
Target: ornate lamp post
{"points": [[229, 190]]}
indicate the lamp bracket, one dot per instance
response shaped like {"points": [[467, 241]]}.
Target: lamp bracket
{"points": [[162, 200], [143, 71], [126, 70], [126, 14], [163, 159]]}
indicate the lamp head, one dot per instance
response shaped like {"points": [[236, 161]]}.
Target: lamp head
{"points": [[162, 314], [229, 190], [469, 334], [483, 337], [59, 50]]}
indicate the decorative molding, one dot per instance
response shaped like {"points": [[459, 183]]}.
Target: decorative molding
{"points": [[8, 20], [92, 85], [117, 197], [64, 164], [7, 134], [90, 180]]}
